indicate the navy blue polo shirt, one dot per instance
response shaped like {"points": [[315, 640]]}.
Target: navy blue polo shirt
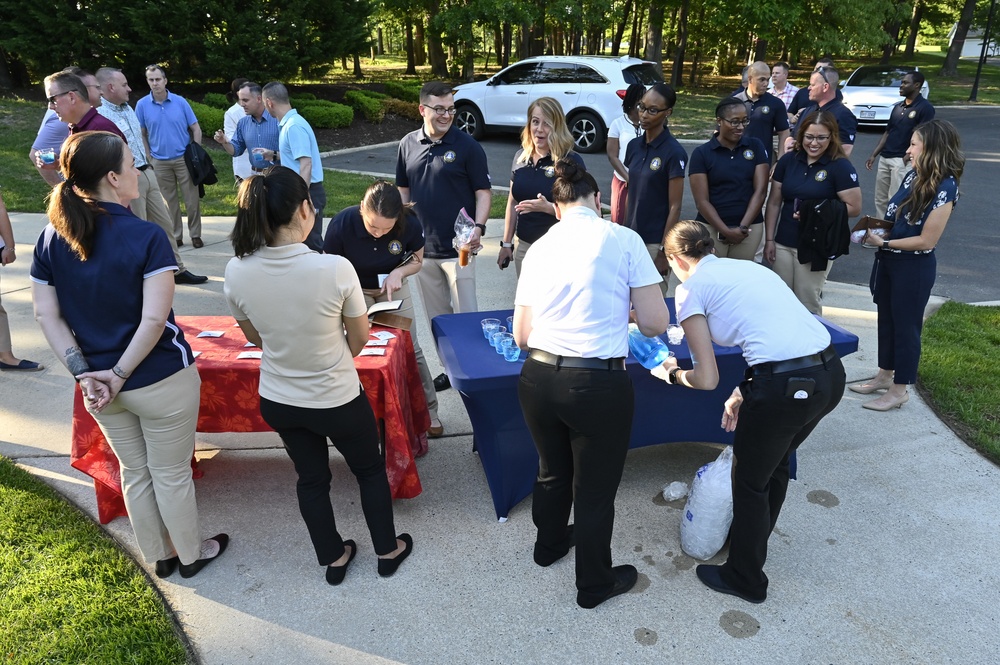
{"points": [[443, 177], [907, 227], [651, 166], [799, 180], [347, 236], [768, 116], [801, 99], [902, 121], [730, 176], [527, 181], [101, 298], [846, 121]]}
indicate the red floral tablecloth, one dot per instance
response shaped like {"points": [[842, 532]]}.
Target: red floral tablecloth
{"points": [[230, 403]]}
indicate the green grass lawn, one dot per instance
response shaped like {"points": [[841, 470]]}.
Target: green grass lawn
{"points": [[958, 372], [68, 593]]}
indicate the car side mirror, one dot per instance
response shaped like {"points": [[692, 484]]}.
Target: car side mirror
{"points": [[842, 83], [492, 81]]}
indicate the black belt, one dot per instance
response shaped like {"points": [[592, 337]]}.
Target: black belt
{"points": [[570, 362], [143, 167], [794, 364]]}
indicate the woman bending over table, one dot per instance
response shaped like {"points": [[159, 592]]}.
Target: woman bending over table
{"points": [[531, 212], [384, 242], [905, 267], [102, 283], [295, 305], [795, 378]]}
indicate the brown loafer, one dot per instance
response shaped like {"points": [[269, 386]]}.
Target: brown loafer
{"points": [[435, 432], [197, 243]]}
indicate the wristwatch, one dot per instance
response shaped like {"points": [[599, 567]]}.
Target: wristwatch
{"points": [[672, 376], [482, 228], [506, 245], [885, 244]]}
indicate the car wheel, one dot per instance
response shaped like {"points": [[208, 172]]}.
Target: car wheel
{"points": [[470, 121], [588, 132]]}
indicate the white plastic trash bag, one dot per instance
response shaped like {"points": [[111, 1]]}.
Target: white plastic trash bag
{"points": [[709, 509]]}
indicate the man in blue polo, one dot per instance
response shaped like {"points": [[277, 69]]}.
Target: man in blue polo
{"points": [[299, 151], [443, 170], [823, 89], [766, 112], [256, 132], [168, 125], [891, 149]]}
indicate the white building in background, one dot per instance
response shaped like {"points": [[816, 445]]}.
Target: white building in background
{"points": [[973, 46]]}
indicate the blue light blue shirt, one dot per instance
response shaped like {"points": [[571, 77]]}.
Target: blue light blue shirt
{"points": [[166, 124], [251, 134], [297, 140]]}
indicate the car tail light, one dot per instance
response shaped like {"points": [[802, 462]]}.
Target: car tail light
{"points": [[621, 94]]}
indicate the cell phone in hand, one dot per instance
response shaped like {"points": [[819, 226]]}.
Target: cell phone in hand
{"points": [[506, 262]]}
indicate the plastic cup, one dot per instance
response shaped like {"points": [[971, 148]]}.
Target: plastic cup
{"points": [[463, 255], [510, 323], [500, 339], [511, 352], [257, 154], [490, 326], [47, 155], [494, 338]]}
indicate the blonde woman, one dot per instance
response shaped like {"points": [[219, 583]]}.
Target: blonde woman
{"points": [[545, 140]]}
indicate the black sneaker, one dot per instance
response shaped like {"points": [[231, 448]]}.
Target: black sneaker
{"points": [[442, 383], [187, 277]]}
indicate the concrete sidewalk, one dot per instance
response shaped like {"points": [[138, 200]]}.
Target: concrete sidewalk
{"points": [[884, 552]]}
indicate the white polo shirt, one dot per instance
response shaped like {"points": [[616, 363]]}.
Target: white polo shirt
{"points": [[297, 300], [748, 306], [577, 280]]}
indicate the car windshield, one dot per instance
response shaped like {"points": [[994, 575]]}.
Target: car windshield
{"points": [[644, 73], [878, 78]]}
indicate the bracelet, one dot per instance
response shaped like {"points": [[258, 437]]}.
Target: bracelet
{"points": [[120, 373]]}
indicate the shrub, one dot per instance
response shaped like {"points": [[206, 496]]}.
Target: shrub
{"points": [[209, 118], [333, 116], [408, 92], [369, 107], [304, 95], [216, 100], [373, 94], [299, 102], [403, 109]]}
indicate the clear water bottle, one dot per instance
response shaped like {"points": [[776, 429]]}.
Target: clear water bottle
{"points": [[649, 351]]}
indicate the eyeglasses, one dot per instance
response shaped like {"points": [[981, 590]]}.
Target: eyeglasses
{"points": [[810, 138], [53, 98], [440, 110], [822, 72], [736, 122], [649, 110]]}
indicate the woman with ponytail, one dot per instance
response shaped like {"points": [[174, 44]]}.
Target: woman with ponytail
{"points": [[102, 284], [297, 305], [795, 378]]}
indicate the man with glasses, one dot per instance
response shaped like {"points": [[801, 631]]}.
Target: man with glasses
{"points": [[168, 125], [150, 205], [442, 170], [766, 112], [299, 151], [914, 110], [52, 132], [257, 131], [823, 89]]}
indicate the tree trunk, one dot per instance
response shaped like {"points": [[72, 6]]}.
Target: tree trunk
{"points": [[498, 42], [469, 66], [507, 44], [439, 63], [6, 78], [419, 45], [411, 62], [357, 66], [911, 37], [760, 50], [343, 62], [616, 43], [677, 70], [654, 35], [380, 41], [889, 47], [950, 67]]}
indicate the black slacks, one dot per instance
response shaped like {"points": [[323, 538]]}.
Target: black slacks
{"points": [[770, 426], [352, 429], [581, 421], [901, 286]]}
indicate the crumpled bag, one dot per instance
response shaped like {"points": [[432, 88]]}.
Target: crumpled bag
{"points": [[708, 512]]}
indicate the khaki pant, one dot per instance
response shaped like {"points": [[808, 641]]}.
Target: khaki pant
{"points": [[669, 282], [746, 250], [447, 288], [5, 344], [519, 251], [805, 283], [173, 173], [151, 430], [888, 179], [151, 207], [373, 296]]}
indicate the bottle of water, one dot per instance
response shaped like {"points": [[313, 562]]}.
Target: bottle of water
{"points": [[649, 351]]}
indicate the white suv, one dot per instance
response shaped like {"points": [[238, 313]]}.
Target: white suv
{"points": [[589, 88]]}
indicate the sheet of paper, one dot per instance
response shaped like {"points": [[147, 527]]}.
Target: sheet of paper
{"points": [[381, 280], [250, 354], [196, 353], [383, 334], [249, 344], [211, 333], [376, 351], [377, 342]]}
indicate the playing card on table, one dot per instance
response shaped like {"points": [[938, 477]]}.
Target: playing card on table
{"points": [[376, 351], [211, 333], [250, 354]]}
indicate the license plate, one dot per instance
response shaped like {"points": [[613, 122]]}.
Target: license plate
{"points": [[867, 114]]}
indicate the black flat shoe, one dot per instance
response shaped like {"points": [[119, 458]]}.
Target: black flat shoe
{"points": [[166, 567], [188, 277], [335, 574], [197, 243], [192, 569], [545, 557], [442, 382], [386, 567], [625, 578], [712, 578]]}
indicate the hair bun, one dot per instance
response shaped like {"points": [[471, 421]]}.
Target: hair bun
{"points": [[567, 169]]}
